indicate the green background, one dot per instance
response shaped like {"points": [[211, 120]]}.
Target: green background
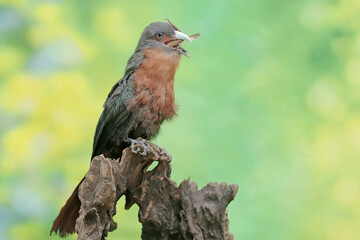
{"points": [[269, 100]]}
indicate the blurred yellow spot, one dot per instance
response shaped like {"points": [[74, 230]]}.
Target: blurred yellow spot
{"points": [[59, 110], [46, 12], [111, 23], [358, 45], [324, 99], [345, 12], [16, 96], [342, 230], [352, 71], [17, 3], [49, 25], [10, 59], [327, 150], [353, 133], [346, 192], [26, 230], [17, 142]]}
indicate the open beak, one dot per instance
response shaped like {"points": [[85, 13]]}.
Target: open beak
{"points": [[176, 40], [182, 36]]}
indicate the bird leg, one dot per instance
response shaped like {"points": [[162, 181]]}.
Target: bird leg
{"points": [[165, 155], [138, 145], [146, 148]]}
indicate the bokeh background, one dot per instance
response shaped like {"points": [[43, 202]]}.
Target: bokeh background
{"points": [[269, 100]]}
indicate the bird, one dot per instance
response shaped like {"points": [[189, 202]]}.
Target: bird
{"points": [[137, 104]]}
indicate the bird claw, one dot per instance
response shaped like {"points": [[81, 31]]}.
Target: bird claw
{"points": [[145, 148], [165, 155], [136, 149]]}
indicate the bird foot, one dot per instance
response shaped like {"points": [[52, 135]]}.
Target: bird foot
{"points": [[145, 148], [164, 155], [138, 147]]}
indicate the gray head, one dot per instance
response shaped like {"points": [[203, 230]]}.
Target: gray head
{"points": [[163, 35]]}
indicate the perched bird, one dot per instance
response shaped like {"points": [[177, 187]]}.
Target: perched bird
{"points": [[137, 104]]}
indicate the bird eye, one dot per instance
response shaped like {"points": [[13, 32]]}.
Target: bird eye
{"points": [[159, 36]]}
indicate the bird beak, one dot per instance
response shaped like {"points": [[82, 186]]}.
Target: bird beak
{"points": [[182, 36]]}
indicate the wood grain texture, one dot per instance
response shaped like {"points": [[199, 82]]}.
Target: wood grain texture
{"points": [[167, 211]]}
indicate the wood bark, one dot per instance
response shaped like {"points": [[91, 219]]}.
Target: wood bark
{"points": [[167, 211]]}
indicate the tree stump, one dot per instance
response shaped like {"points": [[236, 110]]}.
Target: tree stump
{"points": [[167, 211]]}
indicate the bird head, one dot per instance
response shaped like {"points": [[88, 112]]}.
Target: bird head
{"points": [[164, 35]]}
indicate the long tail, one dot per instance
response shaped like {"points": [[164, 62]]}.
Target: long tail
{"points": [[64, 223]]}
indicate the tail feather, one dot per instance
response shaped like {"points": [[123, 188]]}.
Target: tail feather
{"points": [[64, 223]]}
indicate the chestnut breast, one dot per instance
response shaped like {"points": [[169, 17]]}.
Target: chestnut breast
{"points": [[154, 99]]}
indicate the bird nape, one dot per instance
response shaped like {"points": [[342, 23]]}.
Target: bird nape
{"points": [[137, 104]]}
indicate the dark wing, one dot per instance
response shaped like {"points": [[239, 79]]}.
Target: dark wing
{"points": [[115, 119]]}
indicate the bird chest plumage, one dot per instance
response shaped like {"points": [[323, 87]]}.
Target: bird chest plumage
{"points": [[154, 99]]}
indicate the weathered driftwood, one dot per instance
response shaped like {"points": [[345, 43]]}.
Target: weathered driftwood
{"points": [[167, 211]]}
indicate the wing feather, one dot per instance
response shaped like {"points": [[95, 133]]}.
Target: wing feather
{"points": [[115, 119]]}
